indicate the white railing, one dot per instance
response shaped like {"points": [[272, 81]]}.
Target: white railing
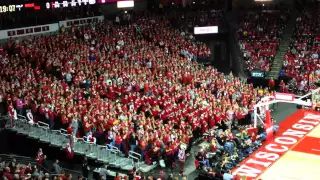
{"points": [[135, 156], [60, 138]]}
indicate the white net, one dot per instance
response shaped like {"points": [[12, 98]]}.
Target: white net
{"points": [[315, 98]]}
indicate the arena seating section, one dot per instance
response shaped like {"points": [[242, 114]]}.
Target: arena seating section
{"points": [[259, 35], [302, 58], [106, 81]]}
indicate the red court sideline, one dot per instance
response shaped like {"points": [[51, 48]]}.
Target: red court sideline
{"points": [[292, 154]]}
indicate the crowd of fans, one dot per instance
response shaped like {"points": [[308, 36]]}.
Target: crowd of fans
{"points": [[259, 35], [128, 85], [189, 20], [11, 169], [302, 60], [226, 149]]}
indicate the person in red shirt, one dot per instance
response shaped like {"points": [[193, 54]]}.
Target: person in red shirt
{"points": [[51, 115], [69, 152], [71, 135], [271, 84], [118, 177], [11, 111], [118, 141]]}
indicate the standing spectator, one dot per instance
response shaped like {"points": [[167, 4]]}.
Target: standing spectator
{"points": [[1, 104], [182, 158], [227, 176], [19, 106], [30, 119], [70, 135], [11, 111], [75, 125], [56, 167], [39, 157], [133, 142], [85, 167], [117, 20], [271, 84], [2, 164], [51, 116], [45, 163], [69, 152], [12, 165]]}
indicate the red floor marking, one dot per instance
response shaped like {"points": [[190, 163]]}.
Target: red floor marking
{"points": [[283, 126], [309, 145]]}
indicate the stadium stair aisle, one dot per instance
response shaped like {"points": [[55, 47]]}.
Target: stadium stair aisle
{"points": [[283, 47], [58, 138]]}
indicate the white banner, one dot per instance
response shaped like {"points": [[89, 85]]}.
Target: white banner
{"points": [[125, 4], [284, 96], [206, 30]]}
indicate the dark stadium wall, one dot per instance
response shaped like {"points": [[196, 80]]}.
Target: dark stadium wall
{"points": [[219, 47], [11, 143], [250, 3], [4, 148]]}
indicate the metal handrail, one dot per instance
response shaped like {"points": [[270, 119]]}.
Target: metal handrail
{"points": [[135, 158], [15, 156], [20, 116], [79, 139], [111, 154], [56, 131], [108, 146], [63, 131], [43, 124], [137, 154], [102, 147]]}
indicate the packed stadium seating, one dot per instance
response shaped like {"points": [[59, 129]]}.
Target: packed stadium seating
{"points": [[134, 86], [19, 167], [302, 57], [259, 35], [189, 20], [120, 80]]}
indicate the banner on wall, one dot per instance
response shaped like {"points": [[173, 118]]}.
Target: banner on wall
{"points": [[47, 28], [28, 31], [258, 74], [125, 4], [206, 30]]}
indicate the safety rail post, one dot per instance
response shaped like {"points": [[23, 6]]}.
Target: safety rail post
{"points": [[20, 124], [109, 149], [115, 151], [136, 156], [54, 137], [102, 152], [78, 145], [93, 149], [135, 164], [44, 127]]}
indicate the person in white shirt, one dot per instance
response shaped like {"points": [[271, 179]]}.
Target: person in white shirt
{"points": [[30, 119], [86, 37], [315, 56], [117, 20], [227, 176], [182, 157]]}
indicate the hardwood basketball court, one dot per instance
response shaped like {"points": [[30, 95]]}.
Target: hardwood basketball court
{"points": [[292, 154]]}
